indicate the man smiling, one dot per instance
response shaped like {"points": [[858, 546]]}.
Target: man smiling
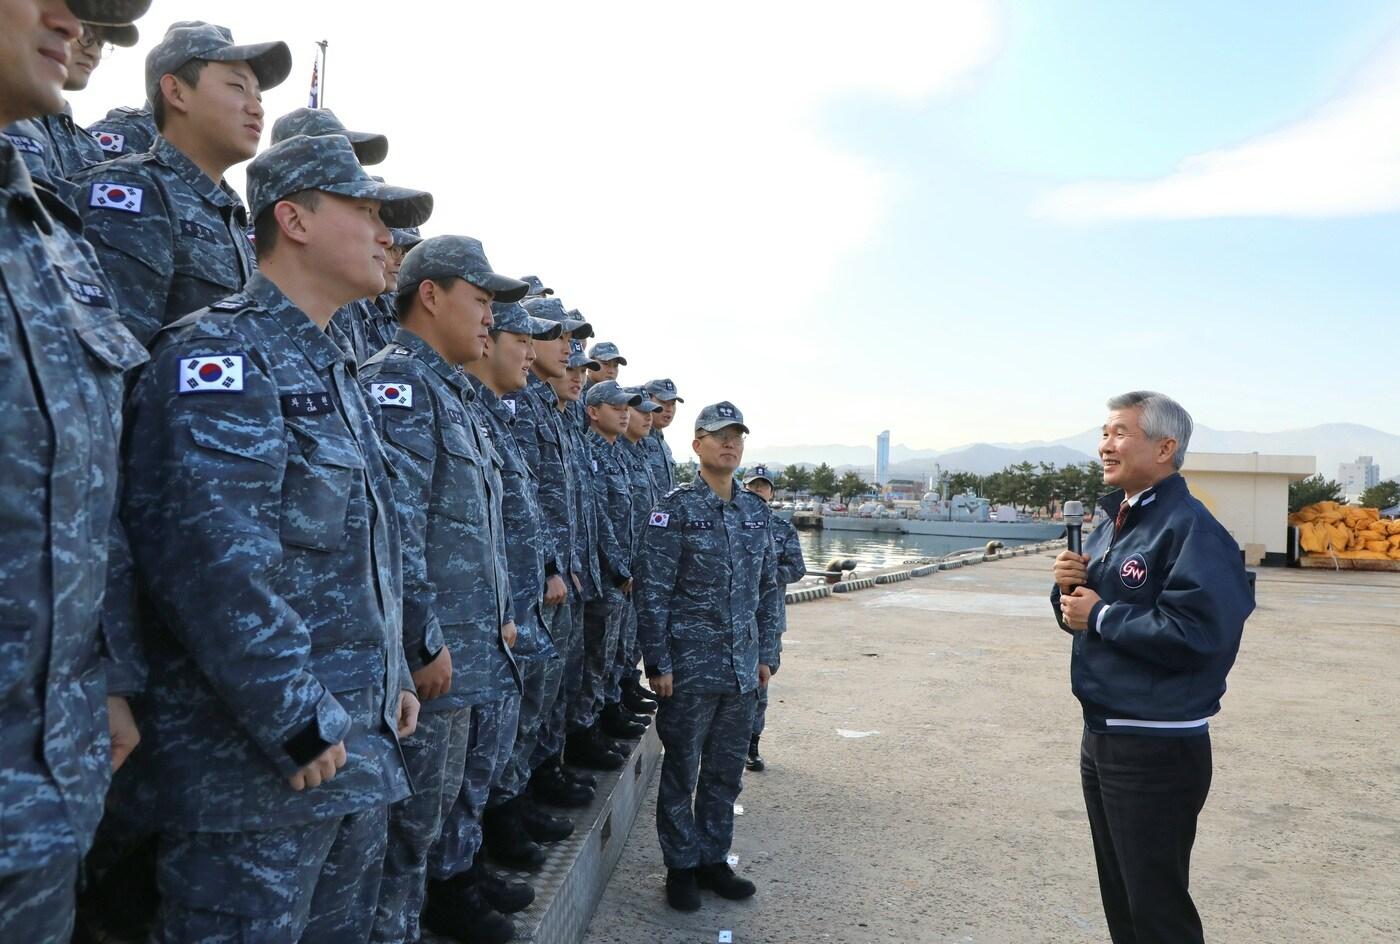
{"points": [[1156, 606], [169, 231]]}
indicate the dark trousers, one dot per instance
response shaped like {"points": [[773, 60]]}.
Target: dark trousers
{"points": [[1143, 795]]}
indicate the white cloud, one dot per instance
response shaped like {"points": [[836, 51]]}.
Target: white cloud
{"points": [[662, 166], [1341, 160]]}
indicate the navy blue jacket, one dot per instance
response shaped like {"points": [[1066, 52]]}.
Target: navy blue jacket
{"points": [[1175, 598]]}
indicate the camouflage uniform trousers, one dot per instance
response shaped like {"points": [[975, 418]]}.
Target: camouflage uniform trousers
{"points": [[540, 676], [490, 740], [706, 737], [602, 624], [436, 758], [36, 906], [760, 713], [629, 655], [310, 882], [565, 623]]}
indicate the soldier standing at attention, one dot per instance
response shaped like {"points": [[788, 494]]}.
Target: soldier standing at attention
{"points": [[610, 362], [170, 233], [709, 611], [62, 354], [263, 521], [459, 621], [663, 392], [791, 568], [384, 319]]}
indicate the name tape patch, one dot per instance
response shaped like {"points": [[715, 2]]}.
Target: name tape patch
{"points": [[699, 525], [310, 403], [392, 394], [24, 142], [660, 519], [198, 231], [217, 373], [109, 141], [88, 293], [754, 525], [121, 197]]}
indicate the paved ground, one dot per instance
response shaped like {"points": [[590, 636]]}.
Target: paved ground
{"points": [[957, 816]]}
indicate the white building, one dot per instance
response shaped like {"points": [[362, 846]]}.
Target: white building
{"points": [[1356, 477], [882, 458]]}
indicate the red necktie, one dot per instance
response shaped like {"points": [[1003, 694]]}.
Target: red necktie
{"points": [[1123, 510]]}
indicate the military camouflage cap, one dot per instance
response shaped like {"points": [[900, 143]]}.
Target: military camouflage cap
{"points": [[124, 36], [406, 236], [369, 148], [445, 257], [579, 359], [328, 163], [270, 62], [718, 416], [552, 309], [663, 390], [610, 393], [512, 317], [607, 351], [758, 473], [648, 405], [574, 316], [536, 286], [109, 12]]}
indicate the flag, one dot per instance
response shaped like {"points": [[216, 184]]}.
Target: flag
{"points": [[315, 99]]}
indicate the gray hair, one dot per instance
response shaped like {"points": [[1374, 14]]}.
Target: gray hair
{"points": [[1162, 418]]}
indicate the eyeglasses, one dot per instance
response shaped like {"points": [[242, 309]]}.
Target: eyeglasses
{"points": [[90, 40], [726, 437]]}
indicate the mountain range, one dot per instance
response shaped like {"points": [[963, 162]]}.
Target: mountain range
{"points": [[1331, 443]]}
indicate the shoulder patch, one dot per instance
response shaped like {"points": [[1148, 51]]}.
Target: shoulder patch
{"points": [[25, 143], [109, 141], [392, 394], [216, 373], [307, 403], [660, 519], [110, 196]]}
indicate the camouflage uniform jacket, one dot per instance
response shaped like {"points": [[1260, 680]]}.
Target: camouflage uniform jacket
{"points": [[612, 490], [125, 130], [170, 240], [524, 526], [663, 465], [261, 511], [635, 459], [382, 322], [31, 140], [791, 565], [62, 354], [585, 507], [709, 605], [539, 431], [350, 326], [456, 585]]}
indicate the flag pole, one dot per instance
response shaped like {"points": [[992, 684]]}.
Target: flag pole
{"points": [[323, 44]]}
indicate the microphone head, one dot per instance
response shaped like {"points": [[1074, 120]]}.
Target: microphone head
{"points": [[1075, 510]]}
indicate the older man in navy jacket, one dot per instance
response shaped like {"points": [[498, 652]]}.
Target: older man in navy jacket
{"points": [[1156, 606]]}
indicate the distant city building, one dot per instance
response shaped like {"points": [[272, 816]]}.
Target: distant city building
{"points": [[1356, 477], [903, 490], [882, 458]]}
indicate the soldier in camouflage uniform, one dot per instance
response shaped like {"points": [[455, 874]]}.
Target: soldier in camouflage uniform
{"points": [[172, 234], [663, 464], [264, 524], [610, 362], [609, 407], [537, 288], [791, 568], [709, 611], [126, 129], [514, 825], [459, 615], [383, 318], [65, 668], [352, 323]]}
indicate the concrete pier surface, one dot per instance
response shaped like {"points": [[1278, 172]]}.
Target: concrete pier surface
{"points": [[922, 780]]}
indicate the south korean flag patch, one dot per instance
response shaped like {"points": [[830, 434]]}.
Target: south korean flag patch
{"points": [[392, 394], [660, 519], [116, 197], [109, 141], [217, 373]]}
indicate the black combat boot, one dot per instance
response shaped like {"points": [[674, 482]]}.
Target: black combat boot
{"points": [[719, 878], [615, 722], [577, 776], [681, 892], [550, 785], [636, 700], [456, 910], [755, 761], [506, 839], [541, 826], [584, 749], [502, 894]]}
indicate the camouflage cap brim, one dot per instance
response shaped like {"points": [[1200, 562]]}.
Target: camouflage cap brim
{"points": [[542, 329], [369, 148], [123, 36], [716, 425], [270, 62], [578, 330], [503, 288], [399, 207], [109, 12], [583, 360]]}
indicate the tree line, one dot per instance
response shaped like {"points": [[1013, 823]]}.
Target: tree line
{"points": [[1319, 488]]}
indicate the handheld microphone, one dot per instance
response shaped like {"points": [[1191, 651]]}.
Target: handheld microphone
{"points": [[1074, 526]]}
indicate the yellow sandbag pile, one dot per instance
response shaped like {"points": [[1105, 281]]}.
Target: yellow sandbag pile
{"points": [[1347, 531]]}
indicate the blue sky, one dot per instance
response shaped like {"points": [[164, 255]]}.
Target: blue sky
{"points": [[963, 220]]}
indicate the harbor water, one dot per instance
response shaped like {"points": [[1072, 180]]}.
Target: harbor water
{"points": [[871, 549]]}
